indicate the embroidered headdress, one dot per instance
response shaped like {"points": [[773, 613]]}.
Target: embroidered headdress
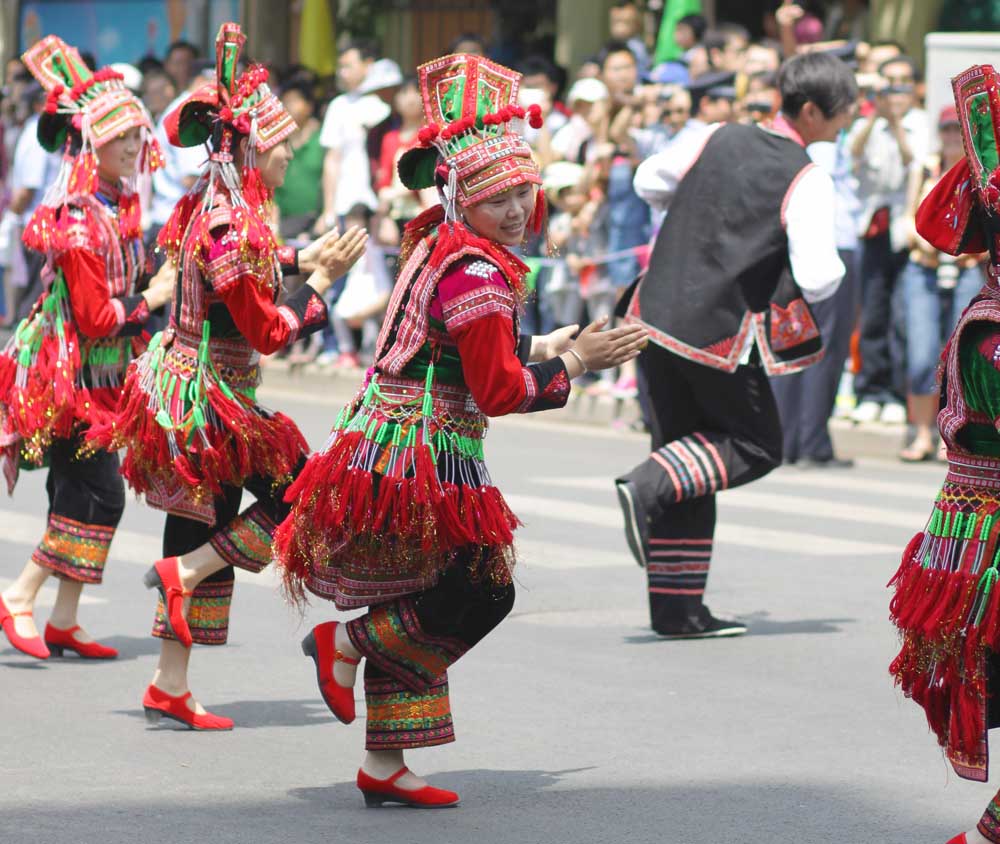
{"points": [[220, 114], [84, 111], [962, 212], [472, 138]]}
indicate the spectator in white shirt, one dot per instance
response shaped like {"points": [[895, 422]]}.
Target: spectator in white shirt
{"points": [[346, 168]]}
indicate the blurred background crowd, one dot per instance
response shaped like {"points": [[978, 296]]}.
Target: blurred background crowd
{"points": [[665, 68]]}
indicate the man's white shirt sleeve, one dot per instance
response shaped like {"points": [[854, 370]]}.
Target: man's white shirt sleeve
{"points": [[812, 243]]}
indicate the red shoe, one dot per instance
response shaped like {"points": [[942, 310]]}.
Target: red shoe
{"points": [[164, 578], [377, 792], [959, 839], [319, 645], [30, 645], [158, 704], [62, 640]]}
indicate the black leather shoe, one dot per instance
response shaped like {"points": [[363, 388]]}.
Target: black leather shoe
{"points": [[636, 520], [826, 463], [704, 626]]}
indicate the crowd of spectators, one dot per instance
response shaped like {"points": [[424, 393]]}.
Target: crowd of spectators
{"points": [[601, 120]]}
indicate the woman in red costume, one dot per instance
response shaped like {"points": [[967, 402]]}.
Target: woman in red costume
{"points": [[62, 371], [947, 602], [194, 435], [398, 512]]}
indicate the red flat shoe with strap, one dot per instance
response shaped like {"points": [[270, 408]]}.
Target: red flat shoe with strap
{"points": [[320, 644], [30, 645], [378, 792], [959, 839], [163, 577], [60, 640], [158, 704]]}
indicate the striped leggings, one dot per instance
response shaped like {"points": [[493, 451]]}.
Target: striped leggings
{"points": [[711, 431]]}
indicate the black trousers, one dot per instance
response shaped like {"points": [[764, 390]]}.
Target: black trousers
{"points": [[242, 539], [86, 501], [883, 342], [410, 643], [710, 431], [806, 399]]}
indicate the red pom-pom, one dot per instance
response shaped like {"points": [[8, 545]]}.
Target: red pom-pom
{"points": [[52, 101], [226, 114], [517, 111], [427, 135], [446, 133], [535, 119]]}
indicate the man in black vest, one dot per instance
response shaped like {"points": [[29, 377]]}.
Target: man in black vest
{"points": [[748, 241]]}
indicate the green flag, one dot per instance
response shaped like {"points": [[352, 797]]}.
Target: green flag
{"points": [[666, 49]]}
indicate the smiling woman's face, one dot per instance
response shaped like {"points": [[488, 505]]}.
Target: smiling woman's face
{"points": [[503, 217], [117, 158]]}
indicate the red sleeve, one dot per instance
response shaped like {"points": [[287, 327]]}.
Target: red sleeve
{"points": [[269, 327], [494, 374], [95, 311]]}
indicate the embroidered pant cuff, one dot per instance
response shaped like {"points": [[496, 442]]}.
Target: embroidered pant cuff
{"points": [[246, 541], [208, 613], [400, 719], [392, 639], [74, 550]]}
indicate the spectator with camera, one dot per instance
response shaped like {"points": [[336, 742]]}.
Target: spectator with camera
{"points": [[936, 287], [885, 146]]}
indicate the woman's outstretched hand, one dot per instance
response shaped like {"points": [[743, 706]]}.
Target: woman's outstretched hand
{"points": [[553, 344], [337, 255], [598, 349]]}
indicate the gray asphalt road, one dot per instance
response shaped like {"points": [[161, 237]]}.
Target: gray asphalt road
{"points": [[575, 724]]}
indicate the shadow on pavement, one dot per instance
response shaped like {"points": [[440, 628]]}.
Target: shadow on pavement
{"points": [[253, 714], [498, 807], [27, 662]]}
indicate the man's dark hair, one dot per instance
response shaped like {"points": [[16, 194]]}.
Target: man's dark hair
{"points": [[89, 59], [613, 47], [184, 45], [366, 47], [624, 4], [697, 23], [539, 66], [902, 59], [817, 78], [468, 36]]}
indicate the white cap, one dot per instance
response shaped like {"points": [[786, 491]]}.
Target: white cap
{"points": [[132, 74], [561, 174], [384, 73], [589, 90]]}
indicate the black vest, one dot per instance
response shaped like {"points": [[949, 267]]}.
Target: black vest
{"points": [[720, 268]]}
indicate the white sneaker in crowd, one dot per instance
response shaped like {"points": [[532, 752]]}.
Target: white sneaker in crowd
{"points": [[892, 413], [866, 411]]}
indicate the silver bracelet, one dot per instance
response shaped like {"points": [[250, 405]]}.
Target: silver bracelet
{"points": [[577, 356]]}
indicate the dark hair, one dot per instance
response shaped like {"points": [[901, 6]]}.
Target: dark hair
{"points": [[366, 47], [303, 89], [696, 23], [149, 64], [887, 42], [902, 59], [359, 209], [539, 65], [89, 60], [732, 30], [621, 4], [817, 78], [410, 81], [467, 36], [154, 72], [184, 45], [613, 47]]}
